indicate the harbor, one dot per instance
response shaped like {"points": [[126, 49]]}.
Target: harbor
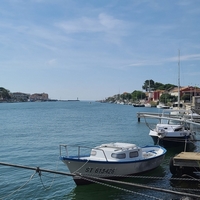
{"points": [[100, 100], [43, 126]]}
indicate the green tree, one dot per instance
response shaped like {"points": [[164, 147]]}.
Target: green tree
{"points": [[185, 97], [126, 96], [169, 86], [156, 85], [148, 85], [165, 98], [137, 95], [4, 94], [159, 86]]}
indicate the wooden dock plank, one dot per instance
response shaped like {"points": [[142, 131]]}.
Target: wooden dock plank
{"points": [[188, 156], [187, 159]]}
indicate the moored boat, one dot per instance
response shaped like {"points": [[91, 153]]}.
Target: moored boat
{"points": [[112, 160], [162, 106], [147, 105], [170, 135], [171, 132], [138, 105]]}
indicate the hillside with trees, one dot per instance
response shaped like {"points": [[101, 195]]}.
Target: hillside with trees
{"points": [[4, 94], [148, 86]]}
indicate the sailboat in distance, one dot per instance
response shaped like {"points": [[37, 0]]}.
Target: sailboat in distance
{"points": [[147, 104], [178, 105]]}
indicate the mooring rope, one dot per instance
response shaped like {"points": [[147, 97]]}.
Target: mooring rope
{"points": [[143, 186], [195, 179], [77, 170], [147, 124], [18, 189], [119, 188], [194, 142], [40, 175], [106, 179], [153, 177]]}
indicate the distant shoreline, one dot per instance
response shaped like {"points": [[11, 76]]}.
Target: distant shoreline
{"points": [[73, 100], [49, 100]]}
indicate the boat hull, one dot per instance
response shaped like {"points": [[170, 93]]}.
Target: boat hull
{"points": [[175, 141], [109, 170]]}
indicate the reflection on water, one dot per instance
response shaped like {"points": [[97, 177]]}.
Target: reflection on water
{"points": [[120, 191]]}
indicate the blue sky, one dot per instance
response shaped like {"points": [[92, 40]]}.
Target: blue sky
{"points": [[96, 49]]}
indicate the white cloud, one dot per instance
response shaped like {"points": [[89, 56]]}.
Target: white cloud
{"points": [[191, 57], [103, 23], [117, 39], [109, 22], [83, 24], [51, 62]]}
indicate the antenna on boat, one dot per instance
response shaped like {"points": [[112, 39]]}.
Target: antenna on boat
{"points": [[179, 78]]}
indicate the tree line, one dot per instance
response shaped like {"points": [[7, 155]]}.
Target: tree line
{"points": [[4, 94], [148, 86]]}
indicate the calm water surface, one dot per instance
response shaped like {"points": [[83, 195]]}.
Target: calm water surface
{"points": [[30, 134]]}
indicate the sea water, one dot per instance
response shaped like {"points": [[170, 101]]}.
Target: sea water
{"points": [[30, 134]]}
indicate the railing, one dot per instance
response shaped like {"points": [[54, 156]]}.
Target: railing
{"points": [[192, 117], [80, 150]]}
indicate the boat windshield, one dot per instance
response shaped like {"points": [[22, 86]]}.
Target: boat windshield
{"points": [[164, 121], [178, 129], [93, 153], [175, 122], [118, 155], [133, 154]]}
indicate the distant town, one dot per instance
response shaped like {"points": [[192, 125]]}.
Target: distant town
{"points": [[155, 93], [10, 97], [154, 97]]}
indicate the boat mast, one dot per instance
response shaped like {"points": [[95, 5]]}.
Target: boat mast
{"points": [[178, 79]]}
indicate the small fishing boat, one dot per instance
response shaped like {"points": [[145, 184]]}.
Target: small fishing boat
{"points": [[162, 106], [171, 132], [172, 135], [112, 160], [138, 105]]}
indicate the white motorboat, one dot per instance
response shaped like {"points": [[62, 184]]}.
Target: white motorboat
{"points": [[112, 160], [162, 106], [167, 134], [171, 132], [147, 105]]}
